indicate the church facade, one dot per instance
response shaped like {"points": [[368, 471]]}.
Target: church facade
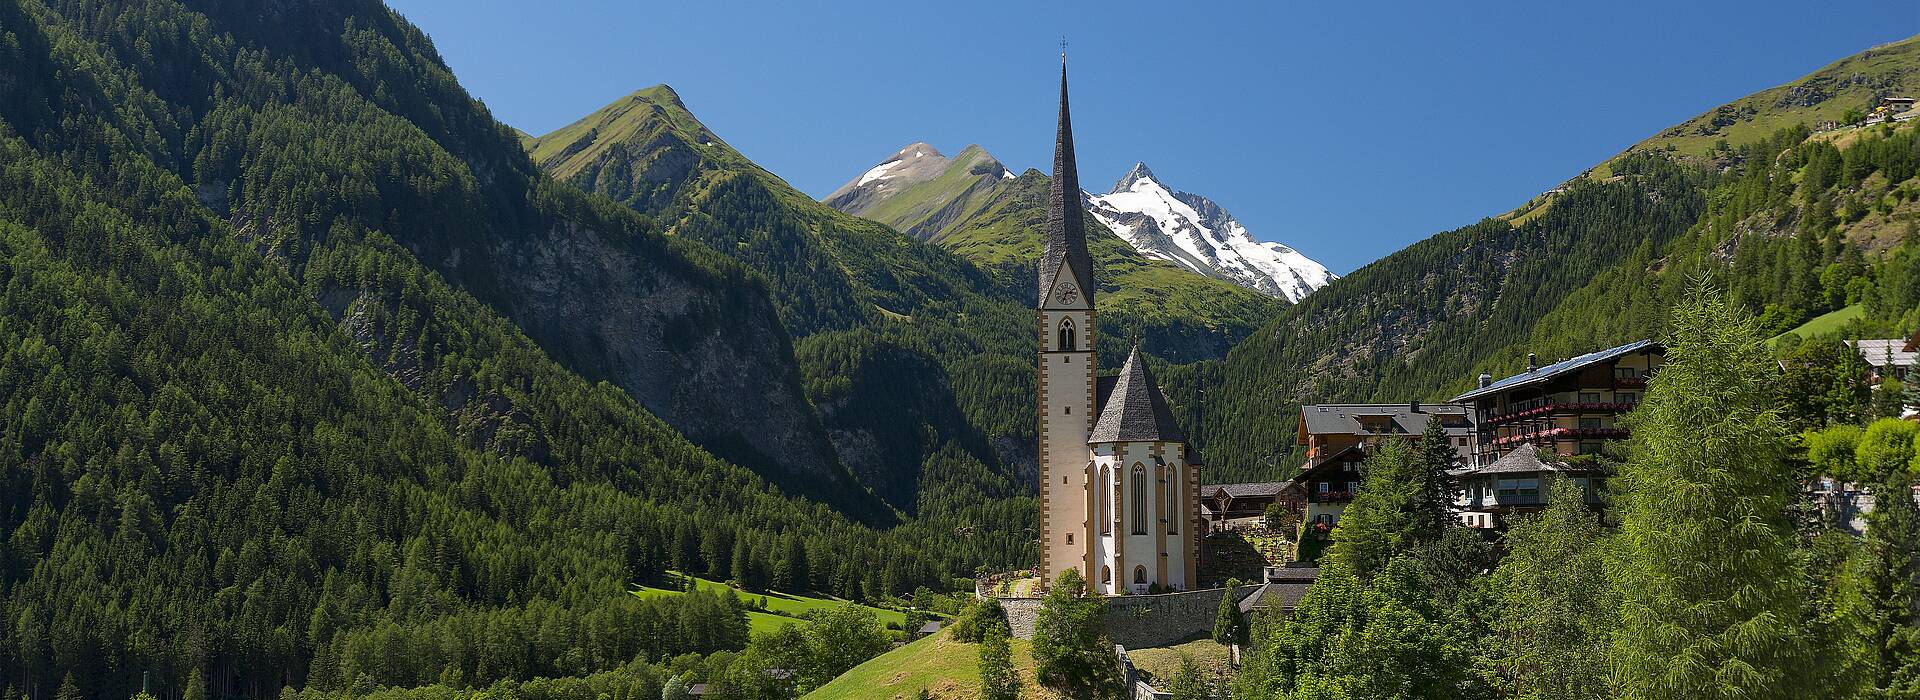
{"points": [[1119, 497]]}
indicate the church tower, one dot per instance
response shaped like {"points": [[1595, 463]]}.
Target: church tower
{"points": [[1064, 314]]}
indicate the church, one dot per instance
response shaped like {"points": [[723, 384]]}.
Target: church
{"points": [[1118, 485]]}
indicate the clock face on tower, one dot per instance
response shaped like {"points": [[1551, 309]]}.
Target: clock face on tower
{"points": [[1067, 294]]}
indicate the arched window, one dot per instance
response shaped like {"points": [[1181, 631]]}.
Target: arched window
{"points": [[1106, 575], [1175, 508], [1067, 341], [1103, 496], [1139, 488], [1140, 575]]}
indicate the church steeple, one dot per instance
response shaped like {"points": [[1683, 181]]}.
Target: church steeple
{"points": [[1066, 214]]}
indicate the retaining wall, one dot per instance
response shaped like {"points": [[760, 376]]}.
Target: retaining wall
{"points": [[1140, 621]]}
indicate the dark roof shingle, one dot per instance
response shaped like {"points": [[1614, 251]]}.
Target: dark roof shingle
{"points": [[1136, 411]]}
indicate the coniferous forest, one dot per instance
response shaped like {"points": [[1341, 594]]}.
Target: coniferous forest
{"points": [[315, 383]]}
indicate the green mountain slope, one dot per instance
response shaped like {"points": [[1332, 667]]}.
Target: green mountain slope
{"points": [[909, 352], [1784, 221], [291, 370]]}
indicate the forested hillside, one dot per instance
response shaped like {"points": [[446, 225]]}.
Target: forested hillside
{"points": [[269, 419], [907, 350], [1794, 224]]}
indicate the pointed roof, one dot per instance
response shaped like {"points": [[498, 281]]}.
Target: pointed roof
{"points": [[1136, 411], [1066, 214]]}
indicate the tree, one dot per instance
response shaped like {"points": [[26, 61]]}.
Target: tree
{"points": [[68, 690], [1228, 627], [1882, 596], [1889, 398], [791, 573], [1379, 522], [1557, 607], [1823, 382], [196, 686], [1912, 382], [675, 689], [1430, 506], [1187, 683], [1070, 646], [998, 680], [1832, 451], [1709, 591], [1886, 446], [840, 640], [972, 623]]}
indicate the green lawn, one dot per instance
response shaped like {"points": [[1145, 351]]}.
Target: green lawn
{"points": [[1826, 323], [1159, 664], [946, 669], [791, 604]]}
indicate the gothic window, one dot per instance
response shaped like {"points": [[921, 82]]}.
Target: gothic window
{"points": [[1106, 575], [1174, 507], [1067, 340], [1105, 498], [1139, 488], [1140, 575]]}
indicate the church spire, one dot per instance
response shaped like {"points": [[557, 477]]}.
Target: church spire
{"points": [[1066, 214]]}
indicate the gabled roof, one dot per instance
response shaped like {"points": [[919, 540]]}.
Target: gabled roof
{"points": [[1524, 459], [1879, 352], [1408, 418], [1136, 411], [1556, 369], [1284, 596], [1261, 488], [1066, 213]]}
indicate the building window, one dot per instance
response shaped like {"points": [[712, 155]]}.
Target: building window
{"points": [[1626, 397], [1625, 373], [1590, 423], [1069, 538], [1105, 499], [1590, 448], [1139, 500], [1106, 575], [1589, 397], [1140, 575], [1170, 511], [1509, 488], [1067, 340]]}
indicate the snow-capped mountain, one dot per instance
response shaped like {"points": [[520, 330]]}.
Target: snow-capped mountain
{"points": [[1197, 234]]}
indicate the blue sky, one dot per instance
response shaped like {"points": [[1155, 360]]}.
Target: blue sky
{"points": [[1346, 130]]}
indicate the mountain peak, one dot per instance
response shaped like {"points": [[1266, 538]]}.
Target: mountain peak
{"points": [[1138, 173], [917, 149]]}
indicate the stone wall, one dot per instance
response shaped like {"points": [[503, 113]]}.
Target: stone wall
{"points": [[1140, 621]]}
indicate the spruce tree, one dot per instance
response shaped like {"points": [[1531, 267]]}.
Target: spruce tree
{"points": [[1378, 523], [68, 690], [1430, 506], [1557, 608], [998, 680], [1709, 591], [1070, 646], [1882, 594], [1912, 397], [196, 686], [1889, 398], [1228, 628]]}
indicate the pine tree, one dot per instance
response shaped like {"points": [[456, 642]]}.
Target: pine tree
{"points": [[1889, 398], [1430, 504], [68, 690], [196, 686], [1070, 646], [1882, 594], [1557, 608], [1912, 397], [1228, 628], [998, 680], [1710, 595], [1378, 523]]}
